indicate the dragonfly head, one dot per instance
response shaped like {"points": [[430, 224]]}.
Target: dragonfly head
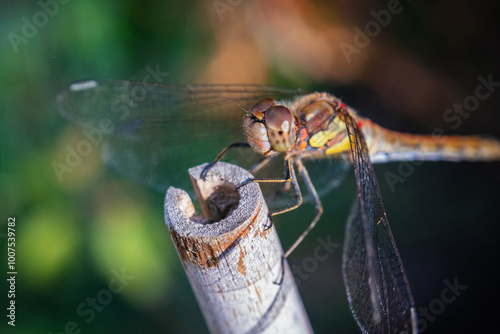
{"points": [[269, 128]]}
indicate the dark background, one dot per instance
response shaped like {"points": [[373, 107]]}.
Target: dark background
{"points": [[72, 234]]}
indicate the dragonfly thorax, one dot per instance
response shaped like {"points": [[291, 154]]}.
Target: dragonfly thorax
{"points": [[269, 128]]}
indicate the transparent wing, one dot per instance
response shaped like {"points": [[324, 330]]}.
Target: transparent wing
{"points": [[326, 175], [377, 288], [153, 133]]}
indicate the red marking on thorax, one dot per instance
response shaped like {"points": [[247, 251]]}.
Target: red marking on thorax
{"points": [[303, 134], [302, 138]]}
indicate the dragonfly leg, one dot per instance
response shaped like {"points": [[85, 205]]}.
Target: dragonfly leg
{"points": [[290, 172], [285, 188], [317, 203], [298, 196], [289, 177], [258, 166], [219, 156]]}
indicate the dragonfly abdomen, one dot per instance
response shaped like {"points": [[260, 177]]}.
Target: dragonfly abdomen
{"points": [[385, 145]]}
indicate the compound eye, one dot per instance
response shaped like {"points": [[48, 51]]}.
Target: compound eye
{"points": [[279, 118], [280, 125], [259, 107]]}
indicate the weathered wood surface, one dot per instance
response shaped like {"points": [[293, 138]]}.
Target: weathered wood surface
{"points": [[232, 263]]}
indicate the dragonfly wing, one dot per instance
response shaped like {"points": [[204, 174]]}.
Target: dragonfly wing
{"points": [[326, 174], [152, 132], [377, 288]]}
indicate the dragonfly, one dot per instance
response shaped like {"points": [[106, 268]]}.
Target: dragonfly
{"points": [[154, 130]]}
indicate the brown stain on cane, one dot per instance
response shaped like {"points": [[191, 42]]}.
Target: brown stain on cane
{"points": [[258, 294], [219, 290], [207, 252], [241, 264], [256, 233], [194, 251]]}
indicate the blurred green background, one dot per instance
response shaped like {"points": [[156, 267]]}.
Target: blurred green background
{"points": [[73, 236]]}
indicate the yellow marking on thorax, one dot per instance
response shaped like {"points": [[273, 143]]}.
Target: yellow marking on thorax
{"points": [[342, 146], [321, 138]]}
